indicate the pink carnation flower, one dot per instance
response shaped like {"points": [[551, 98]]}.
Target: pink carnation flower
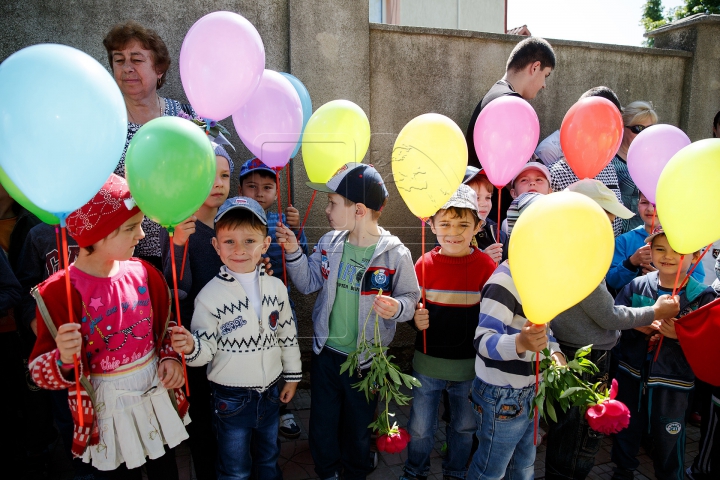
{"points": [[608, 416]]}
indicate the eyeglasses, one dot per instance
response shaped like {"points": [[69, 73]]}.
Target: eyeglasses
{"points": [[637, 128], [138, 331]]}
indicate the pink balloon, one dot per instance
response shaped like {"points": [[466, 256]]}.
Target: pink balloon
{"points": [[506, 134], [651, 150], [221, 61], [271, 122]]}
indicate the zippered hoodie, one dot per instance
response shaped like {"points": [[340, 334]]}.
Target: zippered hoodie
{"points": [[671, 369], [243, 350], [390, 269]]}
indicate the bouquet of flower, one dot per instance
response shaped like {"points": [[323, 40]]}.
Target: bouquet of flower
{"points": [[562, 385], [385, 379], [217, 132]]}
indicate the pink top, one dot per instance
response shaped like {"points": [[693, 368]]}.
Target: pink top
{"points": [[117, 316]]}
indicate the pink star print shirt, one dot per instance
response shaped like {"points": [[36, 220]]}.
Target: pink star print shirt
{"points": [[116, 323]]}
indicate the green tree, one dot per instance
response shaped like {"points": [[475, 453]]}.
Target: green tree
{"points": [[654, 15]]}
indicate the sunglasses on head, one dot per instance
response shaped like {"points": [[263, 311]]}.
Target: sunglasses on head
{"points": [[637, 128]]}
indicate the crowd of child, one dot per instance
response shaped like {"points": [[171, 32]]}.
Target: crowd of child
{"points": [[475, 348]]}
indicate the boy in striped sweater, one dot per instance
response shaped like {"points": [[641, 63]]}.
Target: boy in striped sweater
{"points": [[503, 388], [455, 272]]}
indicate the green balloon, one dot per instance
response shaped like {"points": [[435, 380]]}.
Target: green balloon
{"points": [[20, 197], [170, 169]]}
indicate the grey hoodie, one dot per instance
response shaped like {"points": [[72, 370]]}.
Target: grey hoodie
{"points": [[391, 268], [597, 320]]}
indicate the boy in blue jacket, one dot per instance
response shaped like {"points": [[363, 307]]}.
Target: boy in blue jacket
{"points": [[350, 266], [632, 256], [655, 385]]}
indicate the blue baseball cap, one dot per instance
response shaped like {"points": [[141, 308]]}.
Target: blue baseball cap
{"points": [[359, 183], [254, 165], [242, 202]]}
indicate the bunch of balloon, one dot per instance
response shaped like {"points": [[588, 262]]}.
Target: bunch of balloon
{"points": [[306, 103], [63, 133], [222, 60], [579, 245], [270, 124], [337, 133], [170, 168], [590, 135], [651, 150], [687, 196], [429, 159], [506, 133]]}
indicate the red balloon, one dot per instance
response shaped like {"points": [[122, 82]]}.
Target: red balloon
{"points": [[590, 135]]}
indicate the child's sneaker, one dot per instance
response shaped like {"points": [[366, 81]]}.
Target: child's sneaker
{"points": [[288, 427]]}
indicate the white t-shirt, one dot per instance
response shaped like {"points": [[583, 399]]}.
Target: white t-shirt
{"points": [[251, 284]]}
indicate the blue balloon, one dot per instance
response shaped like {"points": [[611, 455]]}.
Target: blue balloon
{"points": [[63, 126], [306, 105]]}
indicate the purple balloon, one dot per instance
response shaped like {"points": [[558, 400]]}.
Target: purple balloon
{"points": [[651, 150], [271, 122], [221, 61], [506, 134]]}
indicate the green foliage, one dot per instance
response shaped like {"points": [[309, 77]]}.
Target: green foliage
{"points": [[562, 385], [384, 377], [654, 16]]}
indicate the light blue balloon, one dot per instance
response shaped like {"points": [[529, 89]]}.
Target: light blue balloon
{"points": [[306, 105], [63, 125]]}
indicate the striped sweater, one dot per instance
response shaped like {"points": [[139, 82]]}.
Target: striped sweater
{"points": [[501, 318]]}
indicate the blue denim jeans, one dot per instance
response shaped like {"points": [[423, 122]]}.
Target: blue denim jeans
{"points": [[424, 421], [505, 432], [240, 417]]}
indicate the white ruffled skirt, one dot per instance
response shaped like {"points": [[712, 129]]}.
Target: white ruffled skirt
{"points": [[135, 416]]}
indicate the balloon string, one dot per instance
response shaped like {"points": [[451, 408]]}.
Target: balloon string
{"points": [[307, 213], [675, 290], [498, 222], [693, 267], [279, 200], [287, 176], [422, 263], [177, 307], [71, 318], [186, 247], [537, 388]]}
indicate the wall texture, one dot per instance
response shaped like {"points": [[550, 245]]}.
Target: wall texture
{"points": [[395, 73]]}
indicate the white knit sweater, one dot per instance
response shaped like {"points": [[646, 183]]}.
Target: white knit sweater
{"points": [[242, 350]]}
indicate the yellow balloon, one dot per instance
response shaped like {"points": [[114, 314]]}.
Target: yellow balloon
{"points": [[560, 250], [688, 196], [336, 134], [428, 162]]}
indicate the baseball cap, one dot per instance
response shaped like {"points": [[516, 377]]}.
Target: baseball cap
{"points": [[359, 183], [464, 197], [244, 203], [532, 166], [107, 210], [471, 172], [254, 165], [656, 231], [602, 195]]}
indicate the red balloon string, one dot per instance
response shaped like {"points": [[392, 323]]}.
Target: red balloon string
{"points": [[287, 176], [279, 200], [422, 291], [186, 247], [694, 266], [71, 318], [307, 212], [675, 290], [177, 307]]}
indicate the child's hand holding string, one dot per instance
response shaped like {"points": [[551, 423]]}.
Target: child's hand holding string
{"points": [[286, 238], [183, 231], [495, 251], [422, 317], [69, 342], [292, 216], [170, 373], [182, 340]]}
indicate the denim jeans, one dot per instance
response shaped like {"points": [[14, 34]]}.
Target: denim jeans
{"points": [[242, 416], [424, 421], [505, 432], [339, 419], [571, 443]]}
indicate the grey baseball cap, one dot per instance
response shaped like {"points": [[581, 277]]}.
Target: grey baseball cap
{"points": [[242, 202]]}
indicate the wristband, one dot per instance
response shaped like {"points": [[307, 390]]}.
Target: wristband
{"points": [[60, 363]]}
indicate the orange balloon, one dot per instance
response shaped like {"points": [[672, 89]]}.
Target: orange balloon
{"points": [[590, 135]]}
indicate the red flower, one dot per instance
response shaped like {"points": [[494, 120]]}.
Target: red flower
{"points": [[393, 442], [608, 416]]}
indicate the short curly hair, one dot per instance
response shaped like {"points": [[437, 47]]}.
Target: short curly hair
{"points": [[123, 33]]}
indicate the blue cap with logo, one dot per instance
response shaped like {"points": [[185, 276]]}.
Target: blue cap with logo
{"points": [[244, 203], [359, 183], [254, 165]]}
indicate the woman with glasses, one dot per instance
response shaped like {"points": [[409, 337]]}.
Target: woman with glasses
{"points": [[637, 116]]}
